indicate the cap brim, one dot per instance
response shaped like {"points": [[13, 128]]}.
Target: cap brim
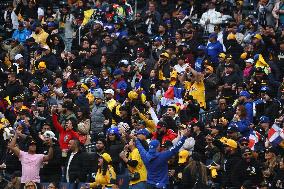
{"points": [[182, 160]]}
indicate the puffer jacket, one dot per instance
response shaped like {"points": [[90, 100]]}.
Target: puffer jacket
{"points": [[98, 118]]}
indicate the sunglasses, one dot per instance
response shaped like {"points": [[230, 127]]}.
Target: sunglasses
{"points": [[247, 154], [244, 144]]}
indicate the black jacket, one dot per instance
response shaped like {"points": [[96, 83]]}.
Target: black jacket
{"points": [[77, 167], [244, 171], [227, 168], [210, 83]]}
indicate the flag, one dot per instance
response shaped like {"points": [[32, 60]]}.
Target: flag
{"points": [[172, 95], [275, 135], [254, 137]]}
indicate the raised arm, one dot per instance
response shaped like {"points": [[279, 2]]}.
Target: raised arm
{"points": [[49, 156], [142, 151], [56, 124], [12, 146]]}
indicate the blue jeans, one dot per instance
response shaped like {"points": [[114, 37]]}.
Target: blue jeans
{"points": [[139, 185]]}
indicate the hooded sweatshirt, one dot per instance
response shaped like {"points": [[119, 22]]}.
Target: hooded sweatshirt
{"points": [[157, 163]]}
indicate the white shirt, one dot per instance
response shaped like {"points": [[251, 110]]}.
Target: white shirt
{"points": [[214, 17], [69, 161], [180, 68]]}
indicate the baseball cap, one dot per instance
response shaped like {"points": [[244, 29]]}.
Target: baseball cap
{"points": [[245, 94], [106, 157], [49, 134], [232, 129], [222, 55], [117, 72], [257, 36], [18, 56], [109, 91], [41, 65], [31, 142], [165, 54], [264, 119], [213, 35], [182, 156], [158, 39], [98, 94], [153, 145], [161, 124], [250, 60], [231, 143], [144, 132], [246, 150]]}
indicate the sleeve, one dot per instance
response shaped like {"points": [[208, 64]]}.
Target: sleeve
{"points": [[22, 154], [56, 124], [122, 86], [74, 134], [154, 116], [150, 124], [40, 158], [202, 20], [142, 151], [172, 151], [93, 185], [242, 126], [276, 7], [250, 112], [112, 175]]}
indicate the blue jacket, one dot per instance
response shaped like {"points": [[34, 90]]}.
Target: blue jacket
{"points": [[213, 50], [249, 110], [243, 127], [157, 163], [21, 36]]}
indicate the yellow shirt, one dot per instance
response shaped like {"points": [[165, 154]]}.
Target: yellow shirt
{"points": [[197, 90], [104, 180], [40, 38], [140, 168]]}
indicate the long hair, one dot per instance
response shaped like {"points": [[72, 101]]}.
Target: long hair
{"points": [[197, 166], [104, 167], [243, 111]]}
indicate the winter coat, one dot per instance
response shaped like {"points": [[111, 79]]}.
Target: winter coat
{"points": [[98, 118]]}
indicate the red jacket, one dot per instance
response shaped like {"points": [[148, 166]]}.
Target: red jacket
{"points": [[170, 135], [64, 136]]}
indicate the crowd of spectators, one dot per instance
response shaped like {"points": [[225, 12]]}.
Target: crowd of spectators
{"points": [[142, 94]]}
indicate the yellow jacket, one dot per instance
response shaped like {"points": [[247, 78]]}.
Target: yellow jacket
{"points": [[104, 180], [41, 37], [197, 90], [140, 168]]}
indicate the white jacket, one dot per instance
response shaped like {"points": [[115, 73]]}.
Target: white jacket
{"points": [[214, 17]]}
